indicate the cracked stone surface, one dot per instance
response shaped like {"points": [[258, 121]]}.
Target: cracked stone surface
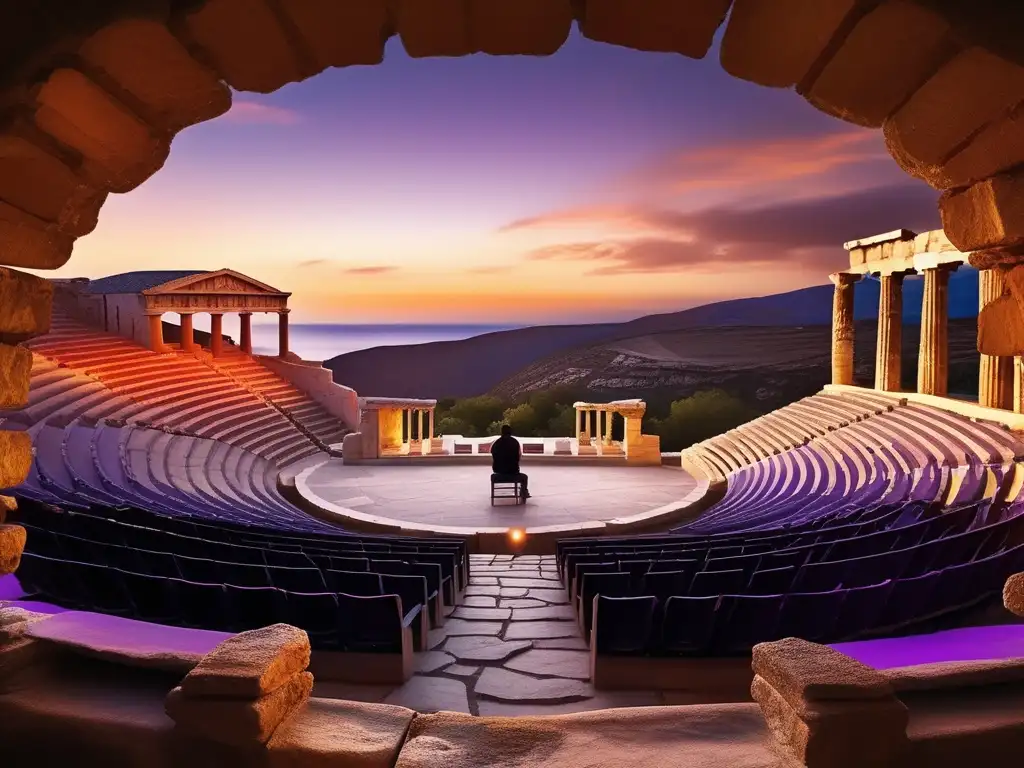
{"points": [[483, 614], [531, 630], [506, 650], [484, 648], [432, 660], [547, 595], [550, 663], [431, 694], [562, 612], [461, 670], [503, 685], [457, 627]]}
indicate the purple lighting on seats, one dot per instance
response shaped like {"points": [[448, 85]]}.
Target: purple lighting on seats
{"points": [[969, 644]]}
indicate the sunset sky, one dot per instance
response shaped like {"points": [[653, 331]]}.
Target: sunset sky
{"points": [[600, 183]]}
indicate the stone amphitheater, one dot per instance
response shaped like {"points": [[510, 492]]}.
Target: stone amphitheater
{"points": [[837, 583]]}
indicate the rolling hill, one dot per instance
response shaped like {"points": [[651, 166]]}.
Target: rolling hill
{"points": [[515, 361]]}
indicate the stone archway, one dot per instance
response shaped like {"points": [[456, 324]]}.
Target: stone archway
{"points": [[94, 92]]}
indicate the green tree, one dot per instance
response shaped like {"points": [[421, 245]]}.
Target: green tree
{"points": [[452, 426], [698, 417], [477, 413], [523, 420], [563, 423]]}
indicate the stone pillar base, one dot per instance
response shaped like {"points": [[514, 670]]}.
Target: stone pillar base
{"points": [[435, 446]]}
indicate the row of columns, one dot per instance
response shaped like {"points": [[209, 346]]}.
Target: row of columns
{"points": [[419, 423], [583, 425], [996, 385], [188, 342]]}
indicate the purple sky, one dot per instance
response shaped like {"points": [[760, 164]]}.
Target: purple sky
{"points": [[599, 183]]}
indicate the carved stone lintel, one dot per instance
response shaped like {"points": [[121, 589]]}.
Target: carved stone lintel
{"points": [[1004, 259]]}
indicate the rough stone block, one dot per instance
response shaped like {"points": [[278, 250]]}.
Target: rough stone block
{"points": [[15, 457], [238, 721], [244, 43], [250, 664], [655, 25], [38, 183], [327, 733], [29, 241], [500, 27], [804, 671], [342, 34], [7, 504], [999, 146], [14, 621], [776, 42], [989, 214], [118, 150], [12, 544], [887, 55], [25, 304], [1013, 594], [835, 734], [164, 84], [15, 372], [972, 89], [1001, 328]]}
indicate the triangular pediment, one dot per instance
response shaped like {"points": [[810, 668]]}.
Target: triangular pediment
{"points": [[221, 281]]}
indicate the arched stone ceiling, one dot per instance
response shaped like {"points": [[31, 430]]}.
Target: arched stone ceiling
{"points": [[93, 92]]}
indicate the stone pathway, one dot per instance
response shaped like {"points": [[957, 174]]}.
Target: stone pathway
{"points": [[511, 648]]}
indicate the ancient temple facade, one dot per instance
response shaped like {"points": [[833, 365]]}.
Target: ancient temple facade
{"points": [[891, 257], [133, 304]]}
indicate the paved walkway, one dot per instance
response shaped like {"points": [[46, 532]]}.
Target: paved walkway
{"points": [[459, 494], [512, 648]]}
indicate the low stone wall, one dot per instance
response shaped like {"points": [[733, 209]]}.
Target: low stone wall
{"points": [[318, 382], [826, 710]]}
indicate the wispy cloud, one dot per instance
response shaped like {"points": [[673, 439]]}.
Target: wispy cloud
{"points": [[742, 164], [808, 232], [257, 113], [312, 262], [372, 270]]}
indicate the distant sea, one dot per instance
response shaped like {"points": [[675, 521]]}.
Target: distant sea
{"points": [[324, 341]]}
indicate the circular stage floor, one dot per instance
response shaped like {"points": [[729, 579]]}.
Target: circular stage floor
{"points": [[458, 495]]}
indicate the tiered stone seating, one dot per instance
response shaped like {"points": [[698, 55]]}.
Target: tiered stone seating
{"points": [[782, 430], [172, 391], [299, 407]]}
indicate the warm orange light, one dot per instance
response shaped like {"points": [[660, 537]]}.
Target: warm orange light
{"points": [[516, 535]]}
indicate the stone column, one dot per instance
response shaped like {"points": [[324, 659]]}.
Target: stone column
{"points": [[430, 417], [608, 416], [995, 374], [842, 327], [586, 421], [1018, 382], [419, 424], [282, 333], [933, 356], [217, 333], [188, 341], [407, 412], [245, 337], [888, 355], [156, 333], [579, 422]]}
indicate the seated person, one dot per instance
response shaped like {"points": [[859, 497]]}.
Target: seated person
{"points": [[505, 454]]}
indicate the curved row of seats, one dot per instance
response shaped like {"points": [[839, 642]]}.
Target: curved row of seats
{"points": [[229, 578], [891, 566], [79, 372]]}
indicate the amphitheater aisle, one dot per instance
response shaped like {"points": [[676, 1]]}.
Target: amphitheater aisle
{"points": [[512, 647]]}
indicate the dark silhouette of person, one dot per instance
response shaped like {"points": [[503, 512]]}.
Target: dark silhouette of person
{"points": [[505, 454]]}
